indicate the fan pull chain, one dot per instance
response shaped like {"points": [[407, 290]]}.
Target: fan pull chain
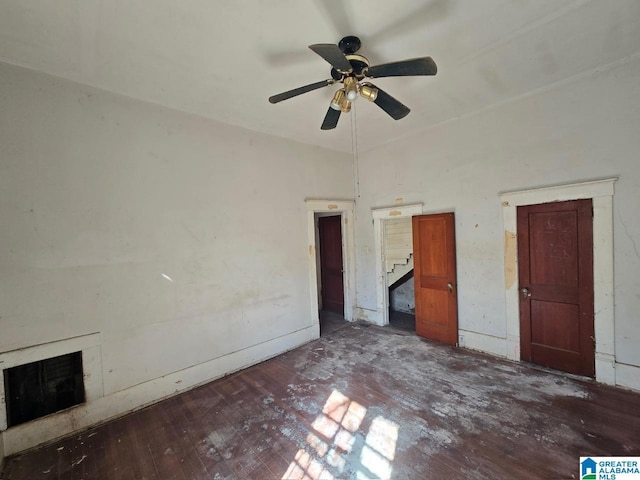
{"points": [[354, 149]]}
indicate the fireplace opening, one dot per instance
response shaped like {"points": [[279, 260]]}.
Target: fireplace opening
{"points": [[36, 389]]}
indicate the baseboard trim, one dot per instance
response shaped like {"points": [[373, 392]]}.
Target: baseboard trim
{"points": [[628, 376], [605, 368], [368, 315], [76, 419], [484, 343]]}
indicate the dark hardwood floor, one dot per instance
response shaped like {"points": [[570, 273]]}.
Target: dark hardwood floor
{"points": [[361, 402]]}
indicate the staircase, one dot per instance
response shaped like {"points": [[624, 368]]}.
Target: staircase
{"points": [[398, 244]]}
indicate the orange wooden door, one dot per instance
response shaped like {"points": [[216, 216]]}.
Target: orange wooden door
{"points": [[555, 267], [434, 260], [331, 283]]}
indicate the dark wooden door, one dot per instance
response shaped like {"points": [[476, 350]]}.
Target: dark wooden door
{"points": [[332, 285], [434, 260], [555, 267]]}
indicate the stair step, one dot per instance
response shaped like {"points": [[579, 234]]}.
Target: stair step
{"points": [[398, 241], [392, 263], [399, 272]]}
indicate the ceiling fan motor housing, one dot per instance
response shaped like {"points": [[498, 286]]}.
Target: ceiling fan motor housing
{"points": [[349, 44], [358, 64]]}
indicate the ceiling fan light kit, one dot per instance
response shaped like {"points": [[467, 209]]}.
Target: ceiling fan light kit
{"points": [[369, 92], [351, 88], [350, 69], [340, 102]]}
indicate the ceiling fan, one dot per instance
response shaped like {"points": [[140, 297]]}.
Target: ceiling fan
{"points": [[351, 69]]}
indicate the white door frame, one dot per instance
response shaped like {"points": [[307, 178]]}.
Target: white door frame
{"points": [[601, 193], [382, 289], [344, 208]]}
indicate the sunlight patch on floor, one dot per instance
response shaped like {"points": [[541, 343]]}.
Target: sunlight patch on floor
{"points": [[333, 439]]}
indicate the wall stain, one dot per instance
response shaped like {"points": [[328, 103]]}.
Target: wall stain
{"points": [[510, 259]]}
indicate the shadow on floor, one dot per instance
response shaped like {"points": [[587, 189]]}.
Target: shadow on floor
{"points": [[330, 322], [402, 321]]}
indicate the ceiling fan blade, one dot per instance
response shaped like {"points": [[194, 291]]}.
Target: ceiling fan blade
{"points": [[393, 107], [404, 68], [332, 54], [330, 119], [300, 90]]}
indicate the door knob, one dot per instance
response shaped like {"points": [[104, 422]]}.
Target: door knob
{"points": [[525, 292], [450, 287]]}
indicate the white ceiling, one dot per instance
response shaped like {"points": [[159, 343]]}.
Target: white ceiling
{"points": [[223, 59]]}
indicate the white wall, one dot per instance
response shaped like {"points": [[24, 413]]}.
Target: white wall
{"points": [[582, 129], [181, 241]]}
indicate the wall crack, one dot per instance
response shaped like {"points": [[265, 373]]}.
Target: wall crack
{"points": [[626, 231]]}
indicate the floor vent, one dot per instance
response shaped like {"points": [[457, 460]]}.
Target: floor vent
{"points": [[36, 389]]}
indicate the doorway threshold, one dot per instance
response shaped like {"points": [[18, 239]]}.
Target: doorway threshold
{"points": [[402, 321]]}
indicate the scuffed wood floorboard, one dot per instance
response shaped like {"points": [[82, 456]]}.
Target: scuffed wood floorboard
{"points": [[361, 401]]}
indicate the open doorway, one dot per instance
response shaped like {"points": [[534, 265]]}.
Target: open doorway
{"points": [[394, 261], [330, 272], [343, 209], [433, 256], [331, 263], [398, 253], [402, 303]]}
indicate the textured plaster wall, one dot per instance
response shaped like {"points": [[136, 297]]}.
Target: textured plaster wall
{"points": [[403, 297], [179, 240], [577, 130]]}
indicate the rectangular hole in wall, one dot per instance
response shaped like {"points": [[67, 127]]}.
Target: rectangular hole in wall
{"points": [[40, 388]]}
